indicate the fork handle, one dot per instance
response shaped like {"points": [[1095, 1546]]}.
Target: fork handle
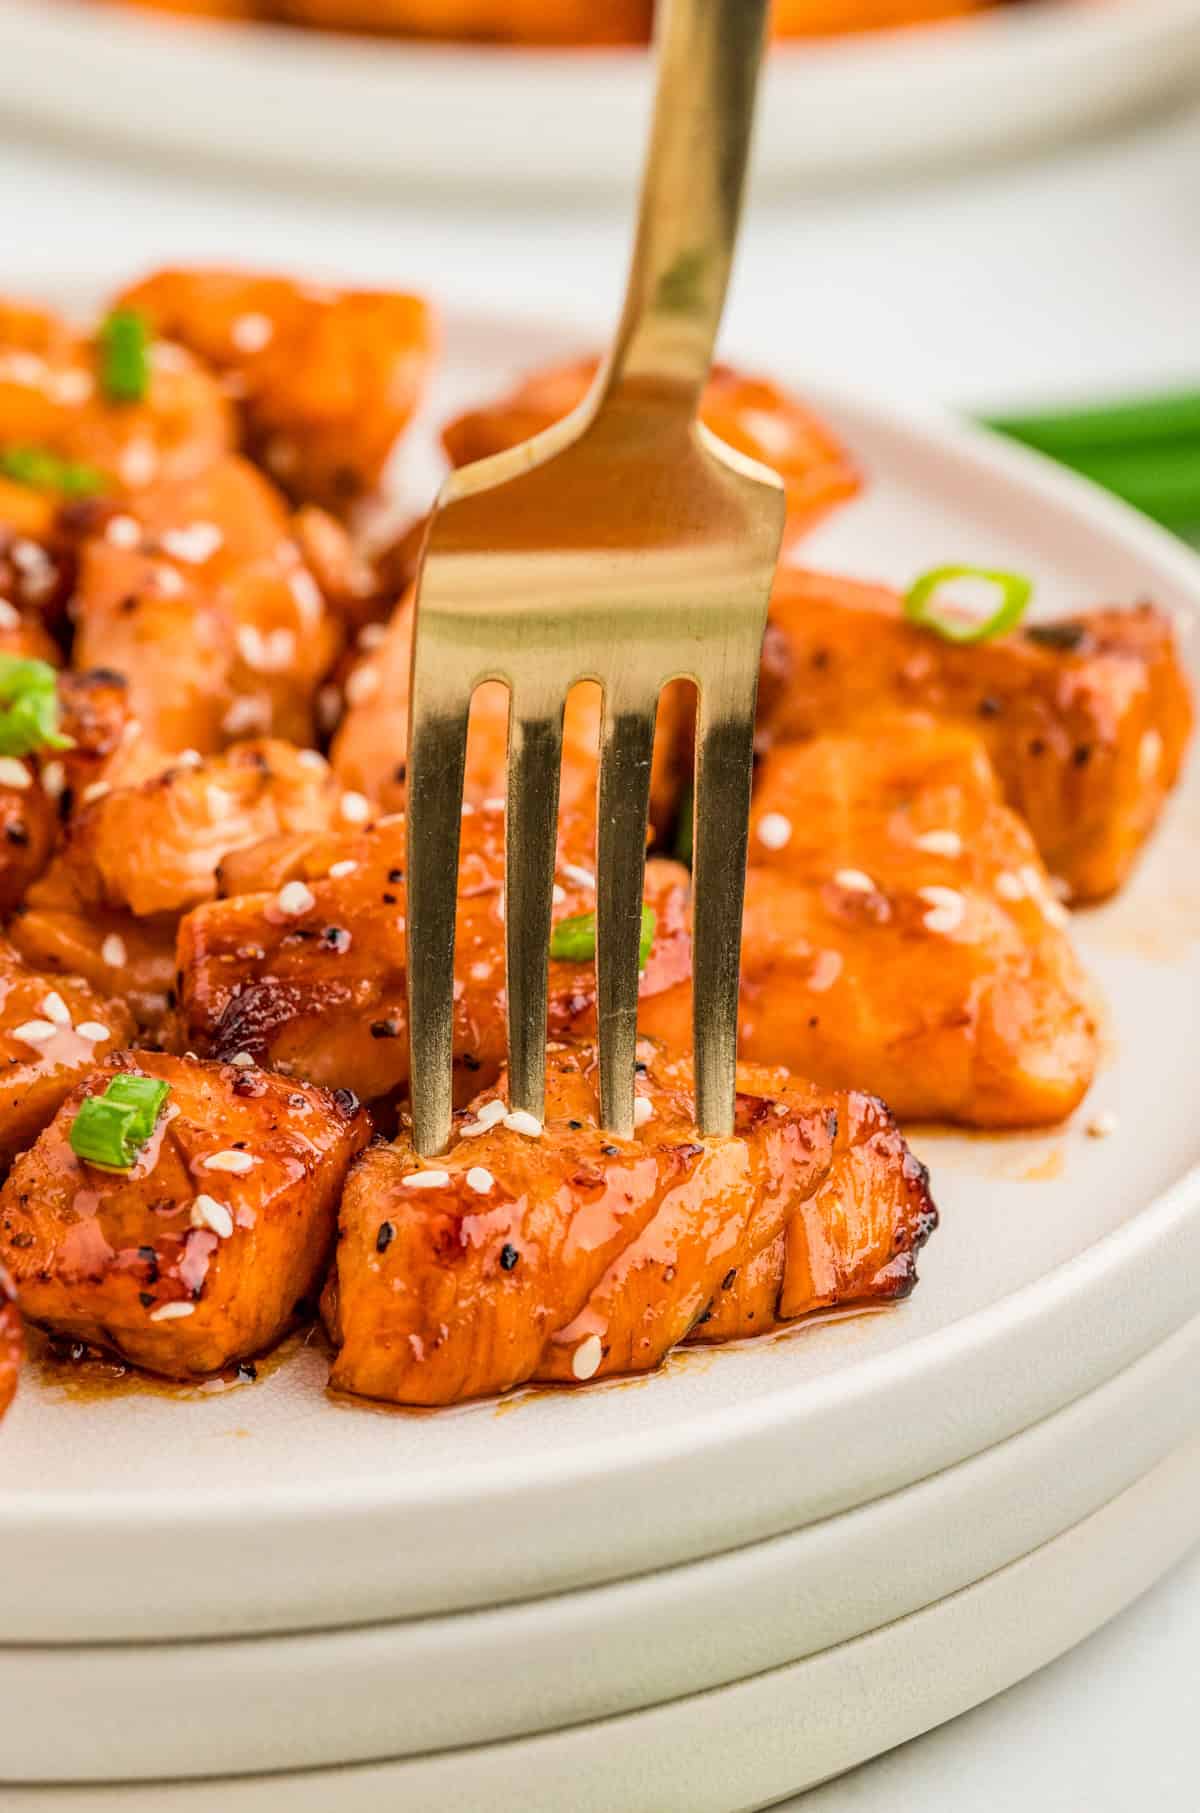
{"points": [[709, 56]]}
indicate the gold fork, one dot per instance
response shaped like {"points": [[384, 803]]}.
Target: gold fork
{"points": [[628, 546]]}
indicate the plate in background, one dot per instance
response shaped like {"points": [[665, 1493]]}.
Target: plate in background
{"points": [[327, 107], [1060, 1261]]}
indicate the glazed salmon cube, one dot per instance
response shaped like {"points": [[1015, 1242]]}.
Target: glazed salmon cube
{"points": [[311, 978], [1086, 719], [53, 1031], [10, 1340], [201, 1253], [563, 1254]]}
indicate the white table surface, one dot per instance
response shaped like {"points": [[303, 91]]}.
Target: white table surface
{"points": [[1077, 275]]}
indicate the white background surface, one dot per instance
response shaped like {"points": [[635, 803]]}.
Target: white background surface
{"points": [[1072, 276]]}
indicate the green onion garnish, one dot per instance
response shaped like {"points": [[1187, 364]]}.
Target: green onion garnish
{"points": [[111, 1129], [28, 707], [921, 604], [42, 470], [124, 344], [574, 940]]}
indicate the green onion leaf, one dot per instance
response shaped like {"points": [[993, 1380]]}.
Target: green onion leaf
{"points": [[124, 344], [921, 604], [574, 940], [42, 470], [28, 707], [110, 1129], [145, 1095]]}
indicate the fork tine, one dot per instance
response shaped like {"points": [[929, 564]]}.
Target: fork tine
{"points": [[534, 758], [437, 745], [724, 756], [624, 808]]}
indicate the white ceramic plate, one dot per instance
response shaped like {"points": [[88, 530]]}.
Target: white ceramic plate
{"points": [[398, 1690], [1060, 1260], [746, 1746], [332, 108]]}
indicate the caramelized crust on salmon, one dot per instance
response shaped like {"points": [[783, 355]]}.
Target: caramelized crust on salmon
{"points": [[10, 1340], [326, 380], [202, 1253], [312, 979], [749, 413], [571, 1255], [53, 1030], [196, 592], [120, 956], [901, 934], [52, 398], [1086, 720]]}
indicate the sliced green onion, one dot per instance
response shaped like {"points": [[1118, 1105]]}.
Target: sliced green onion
{"points": [[42, 470], [110, 1129], [124, 343], [28, 707], [574, 940], [921, 604], [145, 1095]]}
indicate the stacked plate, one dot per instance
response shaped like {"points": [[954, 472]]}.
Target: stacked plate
{"points": [[709, 1588]]}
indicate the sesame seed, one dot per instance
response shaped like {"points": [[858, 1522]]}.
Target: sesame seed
{"points": [[521, 1121], [854, 881], [54, 778], [236, 1163], [643, 1110], [113, 951], [71, 387], [585, 1361], [171, 1312], [35, 1032], [139, 463], [96, 791], [207, 1212], [355, 808], [1055, 913], [479, 1178], [342, 869], [251, 332], [189, 758], [1009, 886], [312, 758], [582, 878], [1102, 1126], [426, 1180], [10, 616], [269, 651], [372, 635], [56, 1009], [92, 1031], [558, 895], [1150, 752], [294, 898], [490, 1113], [307, 594], [196, 543], [774, 831], [122, 532], [245, 716], [940, 843], [14, 773], [947, 909], [362, 685], [168, 581], [494, 805], [242, 1059]]}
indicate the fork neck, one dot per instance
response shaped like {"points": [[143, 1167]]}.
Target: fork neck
{"points": [[709, 56]]}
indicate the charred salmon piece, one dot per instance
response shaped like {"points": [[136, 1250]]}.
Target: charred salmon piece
{"points": [[311, 978], [1086, 719], [560, 1253], [853, 1242], [53, 399], [901, 934], [325, 380], [748, 413], [10, 1340], [53, 1031], [155, 848], [368, 751], [123, 958], [197, 593], [201, 1253]]}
